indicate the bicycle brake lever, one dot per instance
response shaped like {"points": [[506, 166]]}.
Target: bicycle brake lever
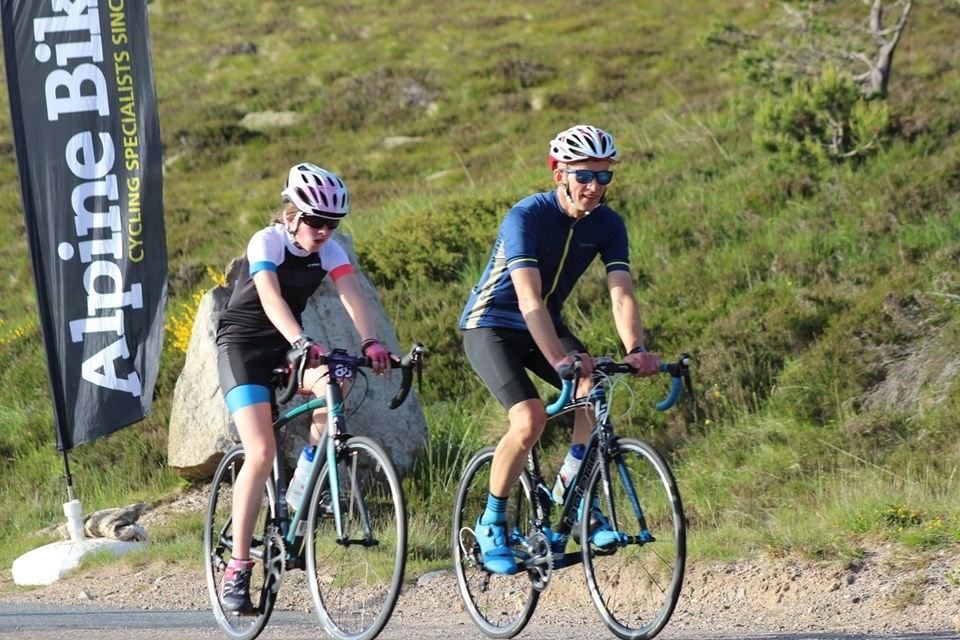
{"points": [[684, 362], [300, 369], [420, 374]]}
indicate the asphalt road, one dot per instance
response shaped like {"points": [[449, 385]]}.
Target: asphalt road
{"points": [[43, 622]]}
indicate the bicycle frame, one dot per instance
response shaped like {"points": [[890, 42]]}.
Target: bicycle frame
{"points": [[340, 366], [602, 440], [294, 529]]}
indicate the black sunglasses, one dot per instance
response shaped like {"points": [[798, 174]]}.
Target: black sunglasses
{"points": [[585, 176], [316, 222]]}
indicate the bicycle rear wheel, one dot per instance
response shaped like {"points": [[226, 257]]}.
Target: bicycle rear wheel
{"points": [[355, 580], [218, 547], [635, 583], [500, 605]]}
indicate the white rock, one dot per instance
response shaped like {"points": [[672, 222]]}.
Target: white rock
{"points": [[392, 142], [200, 429], [264, 120]]}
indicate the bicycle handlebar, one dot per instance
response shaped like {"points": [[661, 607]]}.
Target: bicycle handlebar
{"points": [[408, 363], [679, 372]]}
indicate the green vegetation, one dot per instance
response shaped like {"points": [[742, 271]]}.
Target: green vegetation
{"points": [[813, 277]]}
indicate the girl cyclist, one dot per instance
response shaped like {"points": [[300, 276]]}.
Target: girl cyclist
{"points": [[285, 263]]}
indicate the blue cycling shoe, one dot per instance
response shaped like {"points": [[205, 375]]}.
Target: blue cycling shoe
{"points": [[602, 534], [497, 556], [558, 543]]}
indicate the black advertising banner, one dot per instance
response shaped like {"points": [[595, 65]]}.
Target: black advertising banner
{"points": [[84, 116]]}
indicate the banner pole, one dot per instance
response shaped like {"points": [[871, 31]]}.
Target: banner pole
{"points": [[67, 476], [72, 508]]}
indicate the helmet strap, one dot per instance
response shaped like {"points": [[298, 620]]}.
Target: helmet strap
{"points": [[293, 233], [566, 187]]}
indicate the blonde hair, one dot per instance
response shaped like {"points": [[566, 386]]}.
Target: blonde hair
{"points": [[285, 214]]}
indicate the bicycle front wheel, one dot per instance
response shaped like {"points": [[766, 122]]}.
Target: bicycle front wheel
{"points": [[355, 578], [636, 576], [500, 605], [218, 549]]}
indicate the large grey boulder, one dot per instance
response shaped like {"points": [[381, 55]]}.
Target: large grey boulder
{"points": [[200, 429]]}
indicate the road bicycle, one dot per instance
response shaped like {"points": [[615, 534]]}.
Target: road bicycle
{"points": [[349, 533], [635, 579]]}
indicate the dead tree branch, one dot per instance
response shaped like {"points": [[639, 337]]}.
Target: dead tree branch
{"points": [[874, 81], [878, 40]]}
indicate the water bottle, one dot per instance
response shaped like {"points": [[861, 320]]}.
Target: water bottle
{"points": [[571, 463], [299, 481]]}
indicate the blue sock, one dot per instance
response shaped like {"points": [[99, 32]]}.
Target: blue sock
{"points": [[496, 510]]}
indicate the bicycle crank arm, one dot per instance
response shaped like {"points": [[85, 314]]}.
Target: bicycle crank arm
{"points": [[566, 560], [347, 542], [531, 563]]}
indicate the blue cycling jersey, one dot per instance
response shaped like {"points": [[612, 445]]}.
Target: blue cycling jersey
{"points": [[538, 233]]}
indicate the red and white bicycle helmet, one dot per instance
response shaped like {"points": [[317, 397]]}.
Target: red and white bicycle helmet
{"points": [[581, 142], [316, 191]]}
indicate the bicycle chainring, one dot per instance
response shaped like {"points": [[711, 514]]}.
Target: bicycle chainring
{"points": [[274, 559], [540, 565]]}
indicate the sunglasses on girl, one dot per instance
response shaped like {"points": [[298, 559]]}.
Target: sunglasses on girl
{"points": [[585, 176], [316, 222]]}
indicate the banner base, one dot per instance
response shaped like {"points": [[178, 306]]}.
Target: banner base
{"points": [[47, 564]]}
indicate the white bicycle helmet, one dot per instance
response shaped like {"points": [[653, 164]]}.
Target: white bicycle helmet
{"points": [[581, 142], [316, 191]]}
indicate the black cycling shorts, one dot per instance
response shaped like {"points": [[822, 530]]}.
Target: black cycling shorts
{"points": [[501, 357], [248, 364]]}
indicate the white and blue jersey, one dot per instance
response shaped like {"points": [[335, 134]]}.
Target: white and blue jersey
{"points": [[299, 273], [249, 346], [538, 233]]}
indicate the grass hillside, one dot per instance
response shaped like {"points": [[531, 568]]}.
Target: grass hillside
{"points": [[818, 291]]}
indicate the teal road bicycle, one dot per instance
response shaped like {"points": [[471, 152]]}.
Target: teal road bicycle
{"points": [[635, 578], [350, 531]]}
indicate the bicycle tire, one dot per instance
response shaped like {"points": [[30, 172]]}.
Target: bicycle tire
{"points": [[635, 587], [355, 586], [217, 545], [499, 605]]}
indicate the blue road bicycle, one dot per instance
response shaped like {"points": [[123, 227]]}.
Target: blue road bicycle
{"points": [[635, 578], [349, 533]]}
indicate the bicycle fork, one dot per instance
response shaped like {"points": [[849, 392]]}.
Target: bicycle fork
{"points": [[644, 536], [334, 436]]}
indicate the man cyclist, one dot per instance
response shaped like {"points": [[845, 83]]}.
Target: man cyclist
{"points": [[512, 320]]}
